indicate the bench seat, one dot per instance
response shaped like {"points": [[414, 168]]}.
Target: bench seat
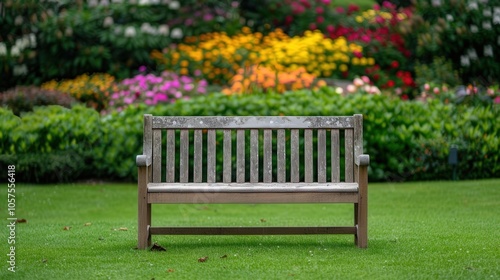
{"points": [[252, 187]]}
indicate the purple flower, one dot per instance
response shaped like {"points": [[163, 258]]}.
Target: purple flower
{"points": [[143, 68], [161, 97], [188, 87]]}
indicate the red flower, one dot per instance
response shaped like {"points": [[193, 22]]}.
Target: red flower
{"points": [[330, 29], [394, 64], [391, 83], [320, 19], [313, 26], [320, 10], [352, 9]]}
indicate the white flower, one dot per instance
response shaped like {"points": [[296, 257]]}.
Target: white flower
{"points": [[18, 20], [19, 70], [108, 21], [474, 29], [92, 3], [32, 38], [147, 28], [487, 25], [488, 50], [176, 33], [464, 60], [496, 19], [472, 54], [487, 13], [436, 3], [339, 90], [449, 17], [163, 29], [174, 5], [3, 49], [130, 31], [473, 5], [15, 51], [104, 3]]}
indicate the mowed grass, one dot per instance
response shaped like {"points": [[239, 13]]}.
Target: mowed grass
{"points": [[431, 230]]}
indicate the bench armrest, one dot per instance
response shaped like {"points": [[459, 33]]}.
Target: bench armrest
{"points": [[363, 160], [143, 161]]}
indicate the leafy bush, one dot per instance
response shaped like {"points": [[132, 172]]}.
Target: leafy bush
{"points": [[465, 32], [94, 90], [44, 40], [407, 140], [51, 143], [23, 99]]}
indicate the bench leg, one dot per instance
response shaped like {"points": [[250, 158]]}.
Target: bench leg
{"points": [[144, 211], [361, 236], [144, 237]]}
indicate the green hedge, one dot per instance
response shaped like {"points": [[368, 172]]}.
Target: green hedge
{"points": [[407, 140]]}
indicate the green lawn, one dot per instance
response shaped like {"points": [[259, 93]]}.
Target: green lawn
{"points": [[432, 230]]}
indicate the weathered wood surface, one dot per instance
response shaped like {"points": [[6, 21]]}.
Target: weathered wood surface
{"points": [[286, 141], [251, 122], [252, 187]]}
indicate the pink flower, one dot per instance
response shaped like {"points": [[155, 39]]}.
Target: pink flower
{"points": [[330, 29], [128, 100], [320, 10], [161, 97], [435, 90], [326, 2], [320, 19], [497, 100]]}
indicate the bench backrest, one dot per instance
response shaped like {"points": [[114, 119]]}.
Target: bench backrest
{"points": [[253, 149]]}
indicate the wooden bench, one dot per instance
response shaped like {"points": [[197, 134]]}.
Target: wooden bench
{"points": [[260, 163]]}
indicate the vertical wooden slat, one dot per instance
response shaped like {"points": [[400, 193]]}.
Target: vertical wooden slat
{"points": [[184, 157], [349, 156], [226, 177], [358, 135], [156, 155], [147, 145], [294, 157], [198, 156], [211, 156], [268, 156], [335, 156], [254, 155], [281, 156], [321, 156], [308, 155], [170, 156], [240, 156]]}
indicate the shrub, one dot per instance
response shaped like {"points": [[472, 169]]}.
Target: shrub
{"points": [[23, 99], [150, 89], [465, 32], [407, 140], [94, 90], [44, 40], [51, 143]]}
